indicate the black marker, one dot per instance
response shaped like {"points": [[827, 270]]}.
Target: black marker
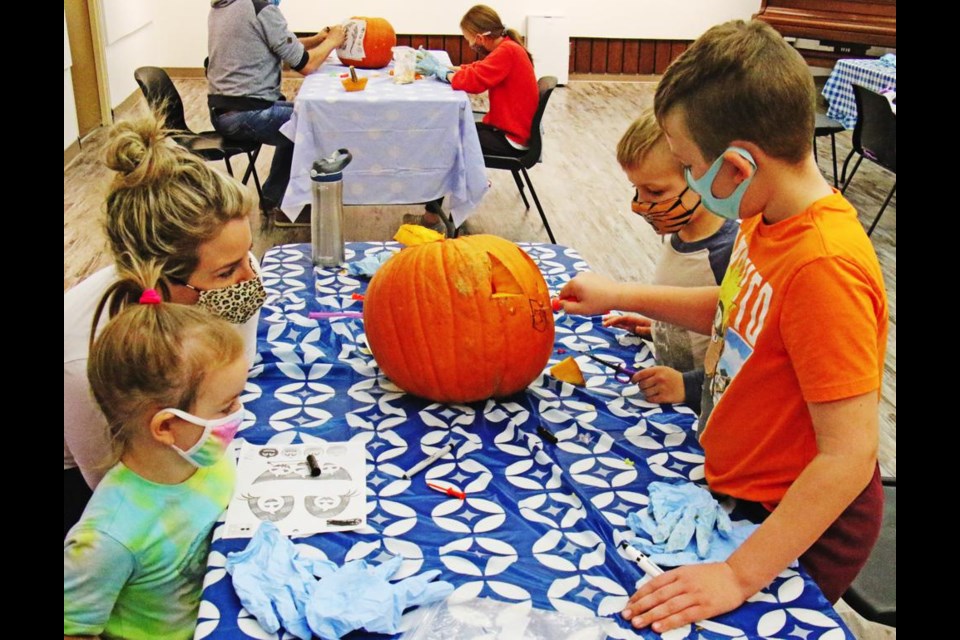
{"points": [[314, 466], [352, 522], [546, 435]]}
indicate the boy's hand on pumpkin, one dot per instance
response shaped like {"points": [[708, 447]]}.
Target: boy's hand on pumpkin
{"points": [[589, 294]]}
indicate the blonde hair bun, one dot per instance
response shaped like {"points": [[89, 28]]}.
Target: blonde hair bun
{"points": [[139, 151]]}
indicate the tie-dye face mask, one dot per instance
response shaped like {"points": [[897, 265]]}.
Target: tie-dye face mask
{"points": [[217, 436]]}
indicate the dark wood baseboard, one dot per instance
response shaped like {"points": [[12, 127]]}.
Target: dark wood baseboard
{"points": [[631, 57], [623, 56], [587, 55]]}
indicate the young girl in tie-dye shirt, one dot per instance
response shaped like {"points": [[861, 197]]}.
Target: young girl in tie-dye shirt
{"points": [[168, 377]]}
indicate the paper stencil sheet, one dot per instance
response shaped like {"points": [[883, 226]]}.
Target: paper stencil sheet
{"points": [[274, 483], [352, 47]]}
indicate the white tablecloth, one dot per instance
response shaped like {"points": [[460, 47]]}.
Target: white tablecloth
{"points": [[410, 143]]}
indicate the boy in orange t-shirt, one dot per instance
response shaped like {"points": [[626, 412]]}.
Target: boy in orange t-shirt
{"points": [[799, 328]]}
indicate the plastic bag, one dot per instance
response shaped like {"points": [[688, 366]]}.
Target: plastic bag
{"points": [[404, 64], [487, 619]]}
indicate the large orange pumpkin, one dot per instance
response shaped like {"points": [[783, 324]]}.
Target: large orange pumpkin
{"points": [[460, 320], [378, 41]]}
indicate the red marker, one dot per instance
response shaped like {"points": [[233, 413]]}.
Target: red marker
{"points": [[356, 296], [450, 491], [556, 303]]}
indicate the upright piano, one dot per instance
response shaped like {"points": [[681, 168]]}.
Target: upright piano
{"points": [[850, 27]]}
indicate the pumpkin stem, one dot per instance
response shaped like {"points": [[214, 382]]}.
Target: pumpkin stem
{"points": [[413, 234]]}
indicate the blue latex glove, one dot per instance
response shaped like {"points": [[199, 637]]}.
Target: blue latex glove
{"points": [[369, 265], [359, 596], [677, 513], [273, 582], [428, 65], [721, 548]]}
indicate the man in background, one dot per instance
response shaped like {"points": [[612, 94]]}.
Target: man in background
{"points": [[248, 42]]}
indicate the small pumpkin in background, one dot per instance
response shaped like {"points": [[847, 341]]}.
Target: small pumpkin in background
{"points": [[460, 320], [379, 38]]}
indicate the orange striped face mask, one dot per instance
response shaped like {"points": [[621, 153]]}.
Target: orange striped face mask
{"points": [[666, 216]]}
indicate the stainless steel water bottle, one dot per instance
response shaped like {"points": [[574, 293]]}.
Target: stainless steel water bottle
{"points": [[326, 222]]}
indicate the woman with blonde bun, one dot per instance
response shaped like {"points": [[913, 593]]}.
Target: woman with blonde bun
{"points": [[168, 207]]}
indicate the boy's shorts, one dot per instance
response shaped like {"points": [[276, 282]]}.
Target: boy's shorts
{"points": [[837, 556]]}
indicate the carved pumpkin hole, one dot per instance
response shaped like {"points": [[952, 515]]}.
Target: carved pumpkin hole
{"points": [[502, 281]]}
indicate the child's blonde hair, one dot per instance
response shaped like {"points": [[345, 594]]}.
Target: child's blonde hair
{"points": [[480, 19], [152, 356], [164, 201], [641, 136], [742, 81]]}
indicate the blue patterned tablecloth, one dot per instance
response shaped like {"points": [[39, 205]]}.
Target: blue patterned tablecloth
{"points": [[877, 75], [541, 521], [411, 143]]}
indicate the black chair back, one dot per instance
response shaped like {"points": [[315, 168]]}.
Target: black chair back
{"points": [[162, 96], [545, 87], [875, 134], [518, 165], [165, 101]]}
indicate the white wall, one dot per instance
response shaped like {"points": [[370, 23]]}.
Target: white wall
{"points": [[173, 33], [181, 25], [182, 32], [71, 130], [132, 42], [653, 19]]}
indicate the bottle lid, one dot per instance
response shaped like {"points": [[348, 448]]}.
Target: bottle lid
{"points": [[330, 169], [326, 177]]}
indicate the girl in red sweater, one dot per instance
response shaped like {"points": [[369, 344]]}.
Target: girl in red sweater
{"points": [[505, 69]]}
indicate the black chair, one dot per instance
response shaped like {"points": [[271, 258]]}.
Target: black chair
{"points": [[874, 592], [874, 138], [828, 127], [163, 98], [519, 165]]}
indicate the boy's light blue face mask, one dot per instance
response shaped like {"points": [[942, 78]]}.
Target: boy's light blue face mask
{"points": [[728, 207]]}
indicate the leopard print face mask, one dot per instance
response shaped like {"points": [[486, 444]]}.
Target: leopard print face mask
{"points": [[236, 303]]}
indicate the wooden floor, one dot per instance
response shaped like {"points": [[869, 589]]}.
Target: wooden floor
{"points": [[579, 183]]}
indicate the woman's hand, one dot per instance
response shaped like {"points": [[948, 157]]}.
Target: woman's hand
{"points": [[662, 385], [685, 595], [632, 322]]}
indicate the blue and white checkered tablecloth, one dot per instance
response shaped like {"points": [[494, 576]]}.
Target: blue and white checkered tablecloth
{"points": [[411, 143], [878, 75], [541, 521]]}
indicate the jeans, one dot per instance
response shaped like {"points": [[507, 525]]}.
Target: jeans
{"points": [[263, 126]]}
